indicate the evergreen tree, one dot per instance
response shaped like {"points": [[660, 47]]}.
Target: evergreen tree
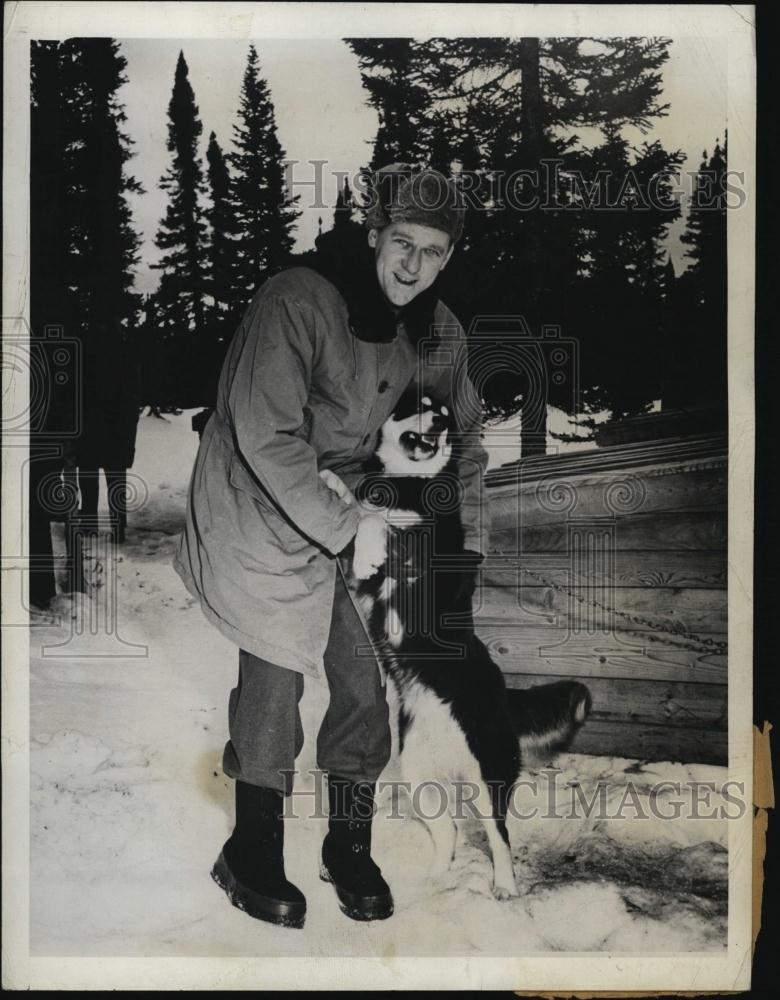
{"points": [[182, 232], [48, 238], [223, 228], [83, 240], [512, 105], [108, 245], [342, 215], [392, 70], [83, 251], [265, 214], [618, 304], [700, 375], [705, 234]]}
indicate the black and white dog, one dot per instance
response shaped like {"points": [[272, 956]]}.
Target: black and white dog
{"points": [[415, 584]]}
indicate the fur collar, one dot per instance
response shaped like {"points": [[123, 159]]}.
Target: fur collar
{"points": [[345, 259]]}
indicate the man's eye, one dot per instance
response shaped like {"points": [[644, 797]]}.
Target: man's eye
{"points": [[431, 252], [403, 243]]}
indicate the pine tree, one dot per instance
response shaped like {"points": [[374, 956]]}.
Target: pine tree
{"points": [[514, 105], [392, 70], [705, 234], [105, 151], [265, 213], [48, 238], [701, 377], [83, 248], [182, 232], [342, 215], [223, 228]]}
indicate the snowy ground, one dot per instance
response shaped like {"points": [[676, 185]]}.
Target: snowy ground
{"points": [[129, 807]]}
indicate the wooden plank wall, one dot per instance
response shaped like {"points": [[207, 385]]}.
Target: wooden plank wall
{"points": [[638, 528]]}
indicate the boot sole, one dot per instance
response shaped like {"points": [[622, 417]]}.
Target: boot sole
{"points": [[273, 911], [358, 907]]}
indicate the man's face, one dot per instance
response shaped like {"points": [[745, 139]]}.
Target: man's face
{"points": [[408, 259]]}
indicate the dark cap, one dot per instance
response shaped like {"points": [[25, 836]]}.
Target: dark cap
{"points": [[402, 193]]}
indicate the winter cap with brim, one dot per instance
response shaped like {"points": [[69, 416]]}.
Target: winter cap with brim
{"points": [[403, 193]]}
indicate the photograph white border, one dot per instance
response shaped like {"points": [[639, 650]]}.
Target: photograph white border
{"points": [[561, 971]]}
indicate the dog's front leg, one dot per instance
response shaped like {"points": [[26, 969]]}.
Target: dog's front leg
{"points": [[370, 546], [431, 803]]}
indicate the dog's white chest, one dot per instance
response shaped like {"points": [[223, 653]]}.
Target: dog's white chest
{"points": [[434, 743]]}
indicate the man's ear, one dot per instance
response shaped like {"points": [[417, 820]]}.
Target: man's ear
{"points": [[373, 236]]}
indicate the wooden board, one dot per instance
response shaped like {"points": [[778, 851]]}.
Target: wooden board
{"points": [[698, 490], [690, 569], [640, 527], [682, 454], [652, 743], [693, 610], [663, 703], [546, 651], [673, 531]]}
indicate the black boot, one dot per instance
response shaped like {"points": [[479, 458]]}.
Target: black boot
{"points": [[346, 852], [251, 866]]}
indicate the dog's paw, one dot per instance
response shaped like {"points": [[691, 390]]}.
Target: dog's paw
{"points": [[504, 892], [370, 547]]}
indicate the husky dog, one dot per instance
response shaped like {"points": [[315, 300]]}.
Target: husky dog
{"points": [[415, 586]]}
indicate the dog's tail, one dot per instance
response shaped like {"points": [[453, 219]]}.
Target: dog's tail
{"points": [[548, 717]]}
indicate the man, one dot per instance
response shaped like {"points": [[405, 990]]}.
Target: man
{"points": [[316, 367]]}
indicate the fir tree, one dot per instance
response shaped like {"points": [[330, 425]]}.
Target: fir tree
{"points": [[223, 227], [705, 235], [701, 370], [182, 231], [265, 214], [342, 215], [392, 70], [105, 151], [513, 105], [618, 304], [81, 218], [83, 249], [48, 236]]}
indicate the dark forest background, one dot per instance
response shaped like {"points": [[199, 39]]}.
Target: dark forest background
{"points": [[473, 108]]}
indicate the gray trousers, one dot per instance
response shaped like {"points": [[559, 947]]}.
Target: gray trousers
{"points": [[265, 728]]}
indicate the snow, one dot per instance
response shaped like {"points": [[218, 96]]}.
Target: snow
{"points": [[129, 806]]}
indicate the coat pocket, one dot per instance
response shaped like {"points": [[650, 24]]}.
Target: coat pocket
{"points": [[279, 528]]}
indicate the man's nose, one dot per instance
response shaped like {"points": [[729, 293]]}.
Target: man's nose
{"points": [[412, 261]]}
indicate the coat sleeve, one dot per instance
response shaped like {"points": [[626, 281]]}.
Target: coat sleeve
{"points": [[472, 458], [268, 389]]}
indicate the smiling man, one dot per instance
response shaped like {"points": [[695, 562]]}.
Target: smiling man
{"points": [[409, 258], [316, 367]]}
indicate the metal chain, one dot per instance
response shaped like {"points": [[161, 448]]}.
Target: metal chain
{"points": [[675, 630]]}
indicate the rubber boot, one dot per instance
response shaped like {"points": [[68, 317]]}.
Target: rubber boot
{"points": [[346, 852], [251, 866]]}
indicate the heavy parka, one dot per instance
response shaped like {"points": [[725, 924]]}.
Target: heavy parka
{"points": [[300, 392]]}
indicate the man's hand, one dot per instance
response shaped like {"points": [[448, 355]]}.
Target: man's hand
{"points": [[370, 546], [338, 486]]}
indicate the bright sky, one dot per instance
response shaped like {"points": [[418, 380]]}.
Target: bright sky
{"points": [[321, 113]]}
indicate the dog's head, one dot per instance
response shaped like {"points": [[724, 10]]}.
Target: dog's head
{"points": [[414, 439]]}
